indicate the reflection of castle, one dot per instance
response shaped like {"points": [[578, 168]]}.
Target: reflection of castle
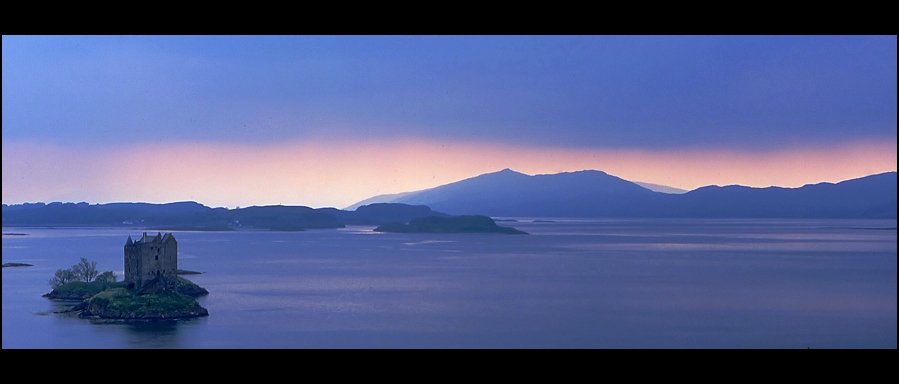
{"points": [[151, 263]]}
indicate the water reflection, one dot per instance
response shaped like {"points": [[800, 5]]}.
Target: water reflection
{"points": [[152, 333]]}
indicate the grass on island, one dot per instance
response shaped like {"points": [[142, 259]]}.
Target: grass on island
{"points": [[115, 300], [77, 290], [126, 301]]}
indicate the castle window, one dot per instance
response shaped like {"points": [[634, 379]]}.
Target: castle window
{"points": [[157, 257]]}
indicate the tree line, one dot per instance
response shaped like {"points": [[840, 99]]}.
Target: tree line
{"points": [[85, 271]]}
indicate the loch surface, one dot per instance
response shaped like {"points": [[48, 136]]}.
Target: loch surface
{"points": [[569, 284]]}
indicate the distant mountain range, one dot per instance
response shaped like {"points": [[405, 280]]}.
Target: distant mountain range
{"points": [[500, 194], [597, 194]]}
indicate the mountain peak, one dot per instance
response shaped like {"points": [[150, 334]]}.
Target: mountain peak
{"points": [[504, 174], [506, 171]]}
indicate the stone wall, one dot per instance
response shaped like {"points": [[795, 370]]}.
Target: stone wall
{"points": [[151, 258]]}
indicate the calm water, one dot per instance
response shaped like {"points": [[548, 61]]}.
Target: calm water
{"points": [[571, 284]]}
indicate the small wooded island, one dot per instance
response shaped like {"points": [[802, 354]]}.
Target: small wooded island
{"points": [[12, 265], [151, 290], [452, 224]]}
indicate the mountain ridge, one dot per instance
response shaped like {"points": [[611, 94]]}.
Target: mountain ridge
{"points": [[593, 193], [505, 193]]}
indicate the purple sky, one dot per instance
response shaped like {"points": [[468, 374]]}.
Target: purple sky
{"points": [[330, 120]]}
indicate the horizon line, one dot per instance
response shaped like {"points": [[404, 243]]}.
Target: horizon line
{"points": [[487, 173]]}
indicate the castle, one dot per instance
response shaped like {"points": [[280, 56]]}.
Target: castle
{"points": [[151, 263]]}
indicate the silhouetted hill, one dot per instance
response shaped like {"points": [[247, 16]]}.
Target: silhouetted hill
{"points": [[282, 218], [80, 214], [509, 193], [376, 200], [597, 194], [867, 197]]}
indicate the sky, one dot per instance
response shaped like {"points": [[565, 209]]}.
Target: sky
{"points": [[327, 121]]}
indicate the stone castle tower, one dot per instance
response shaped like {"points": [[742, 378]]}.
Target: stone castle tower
{"points": [[151, 263]]}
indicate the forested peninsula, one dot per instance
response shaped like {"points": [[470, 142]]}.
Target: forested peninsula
{"points": [[192, 216]]}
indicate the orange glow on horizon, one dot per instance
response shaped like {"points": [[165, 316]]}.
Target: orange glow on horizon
{"points": [[339, 173]]}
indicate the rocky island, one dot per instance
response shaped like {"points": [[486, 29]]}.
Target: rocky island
{"points": [[116, 301], [152, 289], [11, 265], [451, 224]]}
